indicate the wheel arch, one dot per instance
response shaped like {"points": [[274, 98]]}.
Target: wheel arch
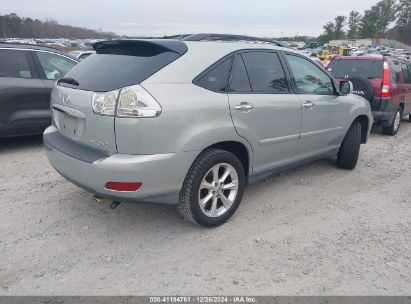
{"points": [[402, 105], [365, 124], [237, 148]]}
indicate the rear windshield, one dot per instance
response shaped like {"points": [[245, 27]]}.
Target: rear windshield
{"points": [[115, 67], [352, 67]]}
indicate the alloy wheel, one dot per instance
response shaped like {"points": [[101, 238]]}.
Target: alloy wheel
{"points": [[218, 190]]}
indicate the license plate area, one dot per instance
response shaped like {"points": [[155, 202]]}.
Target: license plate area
{"points": [[69, 126]]}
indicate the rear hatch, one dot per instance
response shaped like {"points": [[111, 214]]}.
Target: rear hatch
{"points": [[74, 118], [116, 64], [368, 67]]}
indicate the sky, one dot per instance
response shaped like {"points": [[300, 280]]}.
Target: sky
{"points": [[264, 18]]}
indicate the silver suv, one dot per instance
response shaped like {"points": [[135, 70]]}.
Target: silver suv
{"points": [[192, 123]]}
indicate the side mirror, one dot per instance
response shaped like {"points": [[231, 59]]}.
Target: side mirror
{"points": [[346, 87]]}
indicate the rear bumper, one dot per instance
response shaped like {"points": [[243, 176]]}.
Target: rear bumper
{"points": [[161, 175], [383, 110], [383, 118]]}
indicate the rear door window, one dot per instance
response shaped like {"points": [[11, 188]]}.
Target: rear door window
{"points": [[265, 72], [396, 72], [239, 81], [15, 64], [406, 73], [216, 79], [351, 67]]}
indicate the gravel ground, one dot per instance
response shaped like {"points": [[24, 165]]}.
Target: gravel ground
{"points": [[313, 230]]}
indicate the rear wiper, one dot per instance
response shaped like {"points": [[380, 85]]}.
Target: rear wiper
{"points": [[68, 80]]}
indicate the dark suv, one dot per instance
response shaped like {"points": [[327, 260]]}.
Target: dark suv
{"points": [[384, 81], [27, 75]]}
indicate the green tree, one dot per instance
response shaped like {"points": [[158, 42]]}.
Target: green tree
{"points": [[368, 24], [403, 25], [329, 30], [12, 25], [2, 33], [404, 13], [354, 24], [386, 12], [338, 27]]}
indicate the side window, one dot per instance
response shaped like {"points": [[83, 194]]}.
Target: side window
{"points": [[239, 81], [406, 73], [309, 78], [266, 72], [14, 64], [396, 72], [217, 78], [54, 66]]}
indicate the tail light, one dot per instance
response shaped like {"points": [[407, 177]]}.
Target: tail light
{"points": [[132, 101], [386, 81], [105, 103], [136, 102]]}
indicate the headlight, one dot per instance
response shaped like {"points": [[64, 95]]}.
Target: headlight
{"points": [[135, 101]]}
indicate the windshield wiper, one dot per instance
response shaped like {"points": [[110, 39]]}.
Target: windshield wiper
{"points": [[68, 80]]}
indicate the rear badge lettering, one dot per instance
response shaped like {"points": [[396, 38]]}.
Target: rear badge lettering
{"points": [[99, 143]]}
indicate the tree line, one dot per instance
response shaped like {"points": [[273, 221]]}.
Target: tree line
{"points": [[14, 26], [375, 22]]}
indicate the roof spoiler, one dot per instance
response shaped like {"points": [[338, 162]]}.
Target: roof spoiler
{"points": [[129, 46]]}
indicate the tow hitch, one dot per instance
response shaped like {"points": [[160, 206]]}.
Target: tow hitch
{"points": [[114, 204]]}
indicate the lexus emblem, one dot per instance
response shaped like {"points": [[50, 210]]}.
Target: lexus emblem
{"points": [[66, 98]]}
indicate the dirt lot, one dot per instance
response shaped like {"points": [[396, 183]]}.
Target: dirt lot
{"points": [[312, 230]]}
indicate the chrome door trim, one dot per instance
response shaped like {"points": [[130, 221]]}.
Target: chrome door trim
{"points": [[271, 141], [319, 132]]}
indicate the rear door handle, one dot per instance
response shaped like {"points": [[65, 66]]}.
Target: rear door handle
{"points": [[244, 106], [309, 105]]}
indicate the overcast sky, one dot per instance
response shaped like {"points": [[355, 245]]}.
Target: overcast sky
{"points": [[159, 17]]}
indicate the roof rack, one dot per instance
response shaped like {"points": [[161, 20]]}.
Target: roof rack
{"points": [[229, 37]]}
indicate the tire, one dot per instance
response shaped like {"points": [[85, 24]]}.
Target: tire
{"points": [[395, 125], [202, 172], [350, 148], [409, 118]]}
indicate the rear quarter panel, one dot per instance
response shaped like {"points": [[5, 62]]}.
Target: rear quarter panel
{"points": [[192, 119]]}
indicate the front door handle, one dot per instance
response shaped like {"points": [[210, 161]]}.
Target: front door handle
{"points": [[244, 106], [309, 105]]}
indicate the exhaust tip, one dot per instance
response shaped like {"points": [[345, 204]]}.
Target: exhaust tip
{"points": [[100, 199]]}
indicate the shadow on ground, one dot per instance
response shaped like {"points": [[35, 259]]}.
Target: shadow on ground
{"points": [[20, 143]]}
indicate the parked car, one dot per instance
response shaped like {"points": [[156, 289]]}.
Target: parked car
{"points": [[81, 54], [27, 75], [192, 123], [384, 81]]}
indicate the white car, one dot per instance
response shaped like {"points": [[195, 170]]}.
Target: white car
{"points": [[81, 54]]}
